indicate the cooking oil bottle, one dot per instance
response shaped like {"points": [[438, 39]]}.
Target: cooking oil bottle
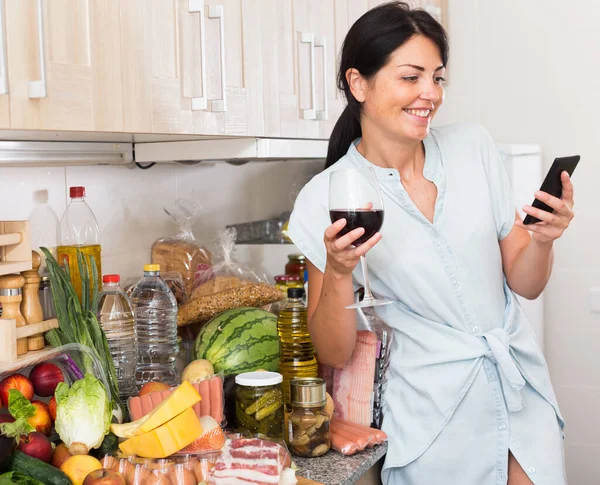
{"points": [[79, 230], [296, 351]]}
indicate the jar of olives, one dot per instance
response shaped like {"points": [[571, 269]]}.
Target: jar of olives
{"points": [[259, 404], [308, 423]]}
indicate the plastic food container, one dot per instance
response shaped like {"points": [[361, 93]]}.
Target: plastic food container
{"points": [[308, 423], [179, 470], [72, 359], [259, 404]]}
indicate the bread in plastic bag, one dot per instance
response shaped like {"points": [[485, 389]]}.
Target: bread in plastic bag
{"points": [[182, 252], [226, 284]]}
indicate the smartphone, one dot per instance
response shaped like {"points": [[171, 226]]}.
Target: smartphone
{"points": [[552, 183]]}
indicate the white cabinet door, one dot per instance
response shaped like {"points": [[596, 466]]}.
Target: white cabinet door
{"points": [[4, 88], [64, 65]]}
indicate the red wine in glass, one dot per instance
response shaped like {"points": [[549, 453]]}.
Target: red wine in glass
{"points": [[369, 219]]}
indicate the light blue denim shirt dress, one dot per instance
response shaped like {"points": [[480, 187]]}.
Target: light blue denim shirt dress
{"points": [[466, 381]]}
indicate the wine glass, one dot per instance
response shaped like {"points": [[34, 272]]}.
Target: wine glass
{"points": [[357, 198]]}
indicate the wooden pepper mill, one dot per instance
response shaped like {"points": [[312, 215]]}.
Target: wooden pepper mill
{"points": [[31, 307], [11, 288]]}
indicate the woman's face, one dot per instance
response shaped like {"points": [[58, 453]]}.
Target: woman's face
{"points": [[404, 95]]}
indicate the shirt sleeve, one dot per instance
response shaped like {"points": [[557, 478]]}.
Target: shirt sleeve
{"points": [[309, 220], [499, 185]]}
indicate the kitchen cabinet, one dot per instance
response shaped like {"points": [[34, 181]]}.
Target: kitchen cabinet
{"points": [[63, 63], [4, 99], [189, 67]]}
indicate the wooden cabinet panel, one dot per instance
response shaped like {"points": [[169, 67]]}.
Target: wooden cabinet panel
{"points": [[4, 91], [77, 64]]}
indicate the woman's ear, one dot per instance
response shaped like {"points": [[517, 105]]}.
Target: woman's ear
{"points": [[357, 83]]}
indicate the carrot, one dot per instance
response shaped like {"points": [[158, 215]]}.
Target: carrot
{"points": [[216, 398]]}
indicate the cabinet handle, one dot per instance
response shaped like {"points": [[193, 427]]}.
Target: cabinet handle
{"points": [[3, 70], [37, 89], [197, 6], [218, 12], [321, 41], [309, 38]]}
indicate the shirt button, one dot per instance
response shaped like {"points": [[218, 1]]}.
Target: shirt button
{"points": [[502, 426], [475, 329], [531, 470], [455, 282], [501, 475]]}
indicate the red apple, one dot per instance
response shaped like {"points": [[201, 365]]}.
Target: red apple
{"points": [[52, 408], [37, 445], [60, 455], [45, 377], [6, 418], [41, 420], [18, 382], [42, 404], [103, 477]]}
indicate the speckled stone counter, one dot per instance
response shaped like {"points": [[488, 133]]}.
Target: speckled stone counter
{"points": [[337, 469]]}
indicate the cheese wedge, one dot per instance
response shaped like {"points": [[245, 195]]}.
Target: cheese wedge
{"points": [[167, 439]]}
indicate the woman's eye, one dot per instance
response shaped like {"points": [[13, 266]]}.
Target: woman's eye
{"points": [[411, 79], [440, 80]]}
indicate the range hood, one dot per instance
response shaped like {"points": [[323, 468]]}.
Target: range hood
{"points": [[233, 150], [24, 153]]}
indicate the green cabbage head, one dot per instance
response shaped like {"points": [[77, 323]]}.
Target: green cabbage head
{"points": [[83, 414]]}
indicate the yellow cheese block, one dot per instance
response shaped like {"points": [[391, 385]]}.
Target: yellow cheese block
{"points": [[185, 396], [166, 439]]}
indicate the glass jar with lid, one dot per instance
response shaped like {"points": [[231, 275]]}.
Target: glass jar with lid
{"points": [[259, 404], [296, 265], [308, 422]]}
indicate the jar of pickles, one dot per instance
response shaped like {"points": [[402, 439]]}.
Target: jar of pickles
{"points": [[308, 423], [259, 404], [296, 265]]}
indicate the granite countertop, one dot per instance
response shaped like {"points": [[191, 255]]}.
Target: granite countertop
{"points": [[337, 469]]}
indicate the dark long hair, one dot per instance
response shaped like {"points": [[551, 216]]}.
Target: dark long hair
{"points": [[367, 47]]}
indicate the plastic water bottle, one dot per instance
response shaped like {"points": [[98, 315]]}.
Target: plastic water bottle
{"points": [[155, 311], [116, 318]]}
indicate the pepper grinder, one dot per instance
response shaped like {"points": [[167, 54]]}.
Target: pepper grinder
{"points": [[31, 307], [11, 295]]}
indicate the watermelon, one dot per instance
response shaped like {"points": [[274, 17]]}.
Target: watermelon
{"points": [[240, 340]]}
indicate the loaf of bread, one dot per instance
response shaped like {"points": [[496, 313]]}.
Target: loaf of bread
{"points": [[180, 255]]}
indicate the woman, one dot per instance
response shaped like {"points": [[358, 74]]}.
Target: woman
{"points": [[469, 399]]}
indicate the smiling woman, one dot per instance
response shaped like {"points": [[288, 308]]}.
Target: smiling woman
{"points": [[469, 399]]}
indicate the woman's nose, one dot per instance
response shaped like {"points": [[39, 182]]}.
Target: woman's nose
{"points": [[431, 92]]}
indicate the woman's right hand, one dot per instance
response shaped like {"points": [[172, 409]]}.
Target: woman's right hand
{"points": [[342, 258]]}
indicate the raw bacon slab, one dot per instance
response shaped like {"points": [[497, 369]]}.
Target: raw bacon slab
{"points": [[353, 385]]}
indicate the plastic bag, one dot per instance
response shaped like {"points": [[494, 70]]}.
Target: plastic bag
{"points": [[225, 285], [181, 253]]}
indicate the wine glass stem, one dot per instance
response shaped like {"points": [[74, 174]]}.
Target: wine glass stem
{"points": [[365, 272]]}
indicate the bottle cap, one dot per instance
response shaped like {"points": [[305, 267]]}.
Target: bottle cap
{"points": [[281, 278], [75, 192], [258, 379], [300, 258], [307, 392], [295, 292], [111, 278], [152, 267]]}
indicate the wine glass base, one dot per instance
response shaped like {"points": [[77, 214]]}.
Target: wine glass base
{"points": [[370, 302]]}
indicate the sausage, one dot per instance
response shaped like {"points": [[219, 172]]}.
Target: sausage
{"points": [[204, 391], [379, 435], [157, 398], [342, 445], [135, 408], [147, 406], [360, 439], [216, 398]]}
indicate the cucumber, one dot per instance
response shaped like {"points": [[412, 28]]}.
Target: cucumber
{"points": [[47, 474]]}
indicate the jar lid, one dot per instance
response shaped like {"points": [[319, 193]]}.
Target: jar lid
{"points": [[281, 278], [258, 379], [297, 257], [307, 391], [294, 277], [152, 267]]}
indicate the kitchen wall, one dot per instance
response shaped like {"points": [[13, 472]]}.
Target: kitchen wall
{"points": [[128, 202], [528, 71]]}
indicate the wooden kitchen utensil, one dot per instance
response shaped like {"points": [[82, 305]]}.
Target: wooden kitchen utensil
{"points": [[31, 308], [11, 288], [15, 248]]}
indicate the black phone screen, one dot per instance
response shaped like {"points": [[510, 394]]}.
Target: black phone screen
{"points": [[552, 183]]}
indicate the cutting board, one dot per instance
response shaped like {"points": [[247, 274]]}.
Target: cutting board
{"points": [[306, 481]]}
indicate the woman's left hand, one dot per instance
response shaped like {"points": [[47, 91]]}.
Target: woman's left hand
{"points": [[553, 224]]}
